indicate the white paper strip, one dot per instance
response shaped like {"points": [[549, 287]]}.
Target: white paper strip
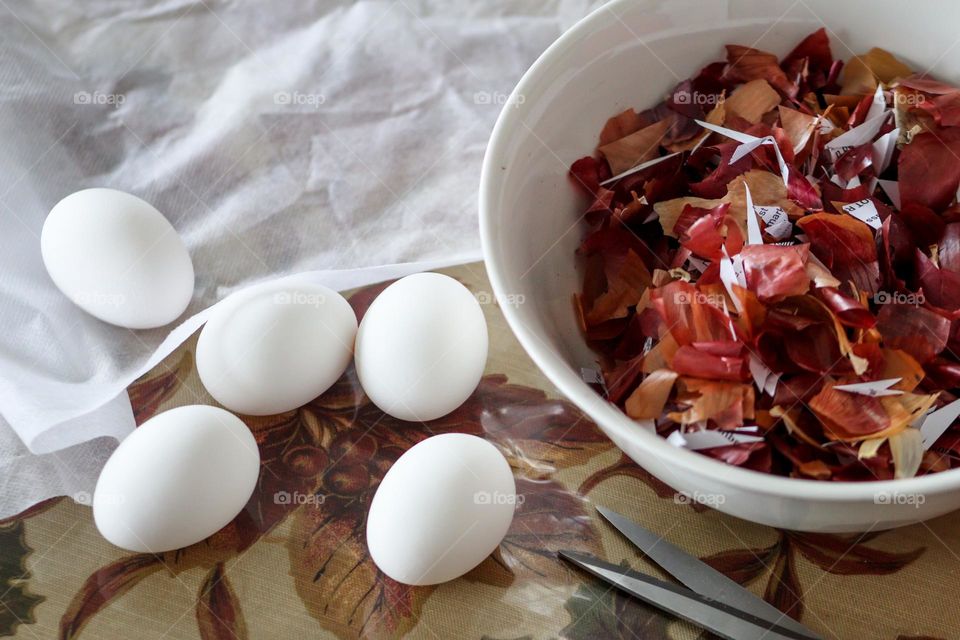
{"points": [[879, 105], [742, 138], [698, 264], [731, 273], [754, 234], [770, 214], [805, 137], [859, 135], [647, 345], [883, 151], [746, 148], [748, 144], [781, 230], [696, 440], [892, 189], [765, 379], [865, 211], [640, 167], [591, 376], [770, 387], [733, 329], [933, 425], [777, 221], [874, 388]]}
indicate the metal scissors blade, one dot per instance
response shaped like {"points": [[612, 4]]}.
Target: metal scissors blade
{"points": [[717, 617], [695, 574]]}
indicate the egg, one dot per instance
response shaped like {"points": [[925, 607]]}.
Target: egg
{"points": [[274, 347], [422, 347], [117, 258], [441, 509], [177, 479]]}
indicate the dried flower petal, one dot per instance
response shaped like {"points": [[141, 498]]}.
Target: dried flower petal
{"points": [[846, 246], [776, 272], [861, 73], [930, 169], [627, 279], [647, 401], [734, 328], [622, 125], [751, 101], [915, 330], [640, 146]]}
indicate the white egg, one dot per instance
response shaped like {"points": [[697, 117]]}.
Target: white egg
{"points": [[442, 508], [422, 347], [177, 479], [117, 258], [274, 347]]}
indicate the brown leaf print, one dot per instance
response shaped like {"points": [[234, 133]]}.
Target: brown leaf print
{"points": [[17, 599], [537, 434], [743, 565], [150, 391], [848, 555], [218, 612], [320, 466], [836, 554], [548, 518], [625, 466], [337, 580], [783, 590], [110, 582], [29, 512], [102, 587], [597, 610], [341, 586]]}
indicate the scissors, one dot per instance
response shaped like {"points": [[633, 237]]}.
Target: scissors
{"points": [[708, 598]]}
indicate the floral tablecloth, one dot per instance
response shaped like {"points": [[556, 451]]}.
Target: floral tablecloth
{"points": [[294, 562]]}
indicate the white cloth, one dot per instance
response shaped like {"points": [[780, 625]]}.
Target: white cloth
{"points": [[278, 138]]}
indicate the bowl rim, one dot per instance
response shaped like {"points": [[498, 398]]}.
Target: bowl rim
{"points": [[609, 418]]}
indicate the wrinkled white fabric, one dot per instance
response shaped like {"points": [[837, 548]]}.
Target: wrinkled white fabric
{"points": [[340, 139]]}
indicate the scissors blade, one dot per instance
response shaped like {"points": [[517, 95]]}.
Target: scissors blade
{"points": [[699, 576], [714, 616]]}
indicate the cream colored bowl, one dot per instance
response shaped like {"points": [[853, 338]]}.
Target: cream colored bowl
{"points": [[630, 53]]}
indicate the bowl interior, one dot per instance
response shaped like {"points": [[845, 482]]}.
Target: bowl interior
{"points": [[631, 54]]}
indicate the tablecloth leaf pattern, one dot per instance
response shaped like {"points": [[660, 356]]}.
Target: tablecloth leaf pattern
{"points": [[303, 534], [218, 611], [18, 601]]}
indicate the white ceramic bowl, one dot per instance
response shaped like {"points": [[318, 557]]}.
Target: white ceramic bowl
{"points": [[630, 53]]}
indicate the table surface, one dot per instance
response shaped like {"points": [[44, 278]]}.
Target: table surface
{"points": [[292, 566]]}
